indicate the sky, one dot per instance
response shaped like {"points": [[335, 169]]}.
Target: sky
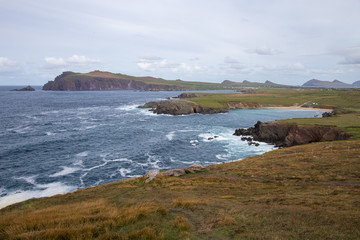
{"points": [[287, 42]]}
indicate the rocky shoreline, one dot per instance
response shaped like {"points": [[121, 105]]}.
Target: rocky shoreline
{"points": [[287, 135], [180, 107]]}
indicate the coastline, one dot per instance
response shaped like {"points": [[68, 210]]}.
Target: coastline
{"points": [[299, 108]]}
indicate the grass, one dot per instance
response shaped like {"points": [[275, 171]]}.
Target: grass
{"points": [[345, 100]]}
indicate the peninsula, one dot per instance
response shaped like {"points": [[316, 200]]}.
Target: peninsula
{"points": [[98, 80]]}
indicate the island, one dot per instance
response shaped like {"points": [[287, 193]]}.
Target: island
{"points": [[28, 88]]}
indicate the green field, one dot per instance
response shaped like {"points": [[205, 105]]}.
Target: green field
{"points": [[345, 100]]}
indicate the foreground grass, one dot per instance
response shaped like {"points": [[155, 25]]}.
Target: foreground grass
{"points": [[303, 192]]}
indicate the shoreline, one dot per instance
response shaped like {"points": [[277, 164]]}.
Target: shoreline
{"points": [[300, 108]]}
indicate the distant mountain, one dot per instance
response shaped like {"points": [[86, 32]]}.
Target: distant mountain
{"points": [[328, 84], [97, 80], [357, 83], [247, 83]]}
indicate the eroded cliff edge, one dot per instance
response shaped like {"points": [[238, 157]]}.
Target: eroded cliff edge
{"points": [[287, 135]]}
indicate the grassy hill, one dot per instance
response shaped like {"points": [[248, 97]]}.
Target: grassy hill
{"points": [[344, 100], [97, 80], [304, 192]]}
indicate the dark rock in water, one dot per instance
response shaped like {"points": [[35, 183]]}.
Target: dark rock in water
{"points": [[210, 138], [329, 114], [28, 88], [286, 135], [190, 95], [249, 139], [179, 107]]}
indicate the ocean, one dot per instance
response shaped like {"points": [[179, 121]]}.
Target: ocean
{"points": [[54, 142]]}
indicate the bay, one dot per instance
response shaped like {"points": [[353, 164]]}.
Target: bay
{"points": [[58, 142]]}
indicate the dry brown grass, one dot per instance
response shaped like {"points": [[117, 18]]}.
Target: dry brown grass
{"points": [[181, 223], [187, 203]]}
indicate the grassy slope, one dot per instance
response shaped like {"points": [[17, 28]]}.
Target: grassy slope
{"points": [[150, 80], [303, 192], [345, 100]]}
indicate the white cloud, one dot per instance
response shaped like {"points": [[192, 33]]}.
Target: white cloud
{"points": [[152, 64], [7, 65], [264, 50], [75, 60], [351, 55]]}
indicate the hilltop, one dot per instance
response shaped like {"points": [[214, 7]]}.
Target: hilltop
{"points": [[248, 84], [328, 84]]}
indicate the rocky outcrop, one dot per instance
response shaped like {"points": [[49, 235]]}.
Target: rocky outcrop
{"points": [[70, 81], [191, 95], [287, 135], [152, 174], [179, 107], [25, 89]]}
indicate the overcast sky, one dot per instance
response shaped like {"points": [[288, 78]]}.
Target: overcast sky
{"points": [[282, 41]]}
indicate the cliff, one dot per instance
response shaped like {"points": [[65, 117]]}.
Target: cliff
{"points": [[97, 80], [287, 135], [69, 81]]}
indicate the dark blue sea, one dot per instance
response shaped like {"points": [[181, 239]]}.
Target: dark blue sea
{"points": [[54, 142]]}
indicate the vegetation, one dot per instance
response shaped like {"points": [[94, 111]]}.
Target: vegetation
{"points": [[344, 100], [304, 192]]}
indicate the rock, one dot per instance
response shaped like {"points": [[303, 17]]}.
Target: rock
{"points": [[287, 135], [28, 88], [175, 172], [249, 139], [210, 138], [329, 114], [195, 168], [179, 107], [190, 95], [151, 175]]}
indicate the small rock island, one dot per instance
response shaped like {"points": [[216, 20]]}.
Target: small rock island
{"points": [[25, 89]]}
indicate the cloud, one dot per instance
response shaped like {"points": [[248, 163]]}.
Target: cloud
{"points": [[75, 60], [8, 66], [284, 67], [152, 64], [263, 50], [351, 55], [233, 65]]}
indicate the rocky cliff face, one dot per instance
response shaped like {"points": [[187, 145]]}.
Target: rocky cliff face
{"points": [[179, 107], [287, 135], [69, 81]]}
